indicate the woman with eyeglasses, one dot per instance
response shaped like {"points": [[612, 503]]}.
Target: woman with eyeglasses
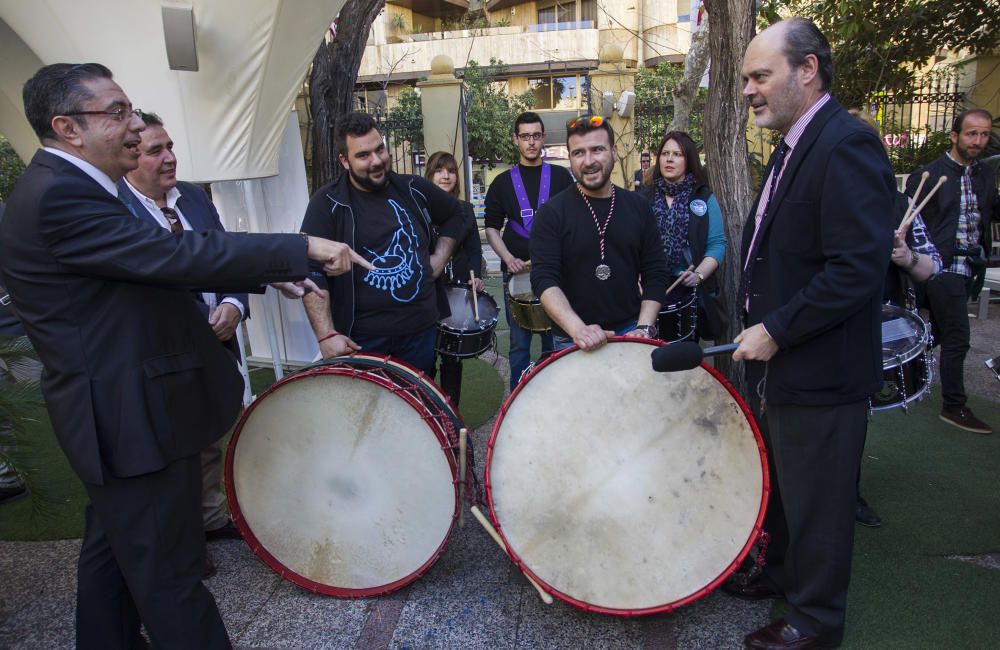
{"points": [[691, 227], [442, 170]]}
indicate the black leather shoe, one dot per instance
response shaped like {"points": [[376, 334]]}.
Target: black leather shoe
{"points": [[227, 531], [759, 589], [209, 569], [12, 492], [780, 635], [864, 515]]}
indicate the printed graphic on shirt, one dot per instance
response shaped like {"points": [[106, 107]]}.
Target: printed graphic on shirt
{"points": [[398, 270]]}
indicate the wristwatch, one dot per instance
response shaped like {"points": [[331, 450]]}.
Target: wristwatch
{"points": [[914, 258], [701, 278], [650, 330]]}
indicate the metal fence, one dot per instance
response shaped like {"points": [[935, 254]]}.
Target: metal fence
{"points": [[404, 140], [914, 124]]}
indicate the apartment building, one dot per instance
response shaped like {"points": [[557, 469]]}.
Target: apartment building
{"points": [[547, 46]]}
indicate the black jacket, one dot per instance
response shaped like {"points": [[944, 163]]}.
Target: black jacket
{"points": [[941, 213], [134, 377], [824, 249], [330, 215]]}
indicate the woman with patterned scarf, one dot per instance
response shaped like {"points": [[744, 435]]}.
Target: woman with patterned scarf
{"points": [[692, 229]]}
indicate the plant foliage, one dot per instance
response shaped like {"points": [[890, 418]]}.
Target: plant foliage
{"points": [[491, 112], [878, 44]]}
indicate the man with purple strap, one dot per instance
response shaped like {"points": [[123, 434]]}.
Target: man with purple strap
{"points": [[511, 202]]}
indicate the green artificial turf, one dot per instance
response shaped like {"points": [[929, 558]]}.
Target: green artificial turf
{"points": [[936, 489]]}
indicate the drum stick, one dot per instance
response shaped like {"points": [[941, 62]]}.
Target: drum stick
{"points": [[463, 437], [678, 280], [916, 210], [546, 596], [475, 298], [913, 202]]}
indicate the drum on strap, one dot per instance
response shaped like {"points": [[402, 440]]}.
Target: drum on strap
{"points": [[678, 320], [461, 335], [907, 363], [343, 478], [525, 308], [621, 490]]}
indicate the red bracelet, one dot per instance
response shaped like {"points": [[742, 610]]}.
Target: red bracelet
{"points": [[329, 336]]}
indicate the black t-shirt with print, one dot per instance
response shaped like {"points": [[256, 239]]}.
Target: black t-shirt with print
{"points": [[398, 296]]}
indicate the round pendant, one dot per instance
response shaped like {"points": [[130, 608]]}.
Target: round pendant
{"points": [[603, 271]]}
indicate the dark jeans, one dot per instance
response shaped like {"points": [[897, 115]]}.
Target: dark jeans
{"points": [[948, 295], [520, 343], [416, 349]]}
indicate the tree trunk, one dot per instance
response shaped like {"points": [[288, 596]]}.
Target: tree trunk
{"points": [[331, 83], [686, 90], [726, 142]]}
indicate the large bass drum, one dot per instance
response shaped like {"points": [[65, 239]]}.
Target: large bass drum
{"points": [[621, 490], [343, 477]]}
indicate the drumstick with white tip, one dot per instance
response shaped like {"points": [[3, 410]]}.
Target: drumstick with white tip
{"points": [[913, 202], [475, 298], [916, 210], [481, 518], [463, 438], [678, 280]]}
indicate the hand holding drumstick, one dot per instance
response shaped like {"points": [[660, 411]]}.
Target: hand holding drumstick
{"points": [[912, 212]]}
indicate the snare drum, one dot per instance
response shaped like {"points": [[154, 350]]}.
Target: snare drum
{"points": [[461, 335], [907, 363], [343, 481], [678, 320], [525, 308], [621, 490]]}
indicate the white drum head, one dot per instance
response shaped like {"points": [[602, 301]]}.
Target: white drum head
{"points": [[519, 287], [623, 490], [340, 480]]}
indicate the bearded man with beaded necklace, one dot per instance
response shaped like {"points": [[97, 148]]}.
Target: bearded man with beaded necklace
{"points": [[593, 246]]}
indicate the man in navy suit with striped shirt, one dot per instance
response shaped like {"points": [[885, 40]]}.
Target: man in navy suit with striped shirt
{"points": [[152, 193]]}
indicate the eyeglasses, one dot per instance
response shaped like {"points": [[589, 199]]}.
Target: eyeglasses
{"points": [[584, 120], [530, 137], [117, 114]]}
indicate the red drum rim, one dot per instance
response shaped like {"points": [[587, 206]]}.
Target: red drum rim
{"points": [[659, 609], [274, 563]]}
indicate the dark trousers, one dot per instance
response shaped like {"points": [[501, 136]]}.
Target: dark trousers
{"points": [[815, 454], [141, 561], [416, 349], [948, 295], [451, 377]]}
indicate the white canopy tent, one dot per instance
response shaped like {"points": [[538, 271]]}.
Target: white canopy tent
{"points": [[230, 119]]}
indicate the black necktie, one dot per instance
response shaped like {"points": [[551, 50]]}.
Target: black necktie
{"points": [[747, 277]]}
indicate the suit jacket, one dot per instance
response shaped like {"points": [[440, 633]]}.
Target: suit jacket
{"points": [[824, 247], [134, 377], [200, 212]]}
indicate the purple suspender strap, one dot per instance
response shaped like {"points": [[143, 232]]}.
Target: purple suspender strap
{"points": [[527, 214]]}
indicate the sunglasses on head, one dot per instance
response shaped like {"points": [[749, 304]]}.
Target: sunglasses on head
{"points": [[584, 120]]}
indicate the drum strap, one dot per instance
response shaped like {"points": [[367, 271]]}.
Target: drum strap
{"points": [[527, 213]]}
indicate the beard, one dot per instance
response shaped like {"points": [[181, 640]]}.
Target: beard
{"points": [[967, 154], [603, 179], [365, 182], [781, 108]]}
